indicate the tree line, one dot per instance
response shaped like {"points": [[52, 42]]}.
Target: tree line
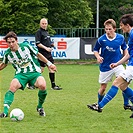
{"points": [[23, 16]]}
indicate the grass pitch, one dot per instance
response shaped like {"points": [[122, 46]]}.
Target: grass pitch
{"points": [[66, 110]]}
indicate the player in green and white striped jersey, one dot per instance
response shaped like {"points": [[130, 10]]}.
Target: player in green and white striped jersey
{"points": [[24, 59]]}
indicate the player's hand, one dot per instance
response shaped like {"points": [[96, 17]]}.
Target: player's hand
{"points": [[53, 67], [52, 45], [113, 65], [100, 59]]}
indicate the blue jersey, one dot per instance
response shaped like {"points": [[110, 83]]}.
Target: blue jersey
{"points": [[110, 50], [130, 48]]}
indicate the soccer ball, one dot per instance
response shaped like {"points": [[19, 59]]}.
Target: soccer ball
{"points": [[17, 114]]}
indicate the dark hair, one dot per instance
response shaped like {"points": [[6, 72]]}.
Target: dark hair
{"points": [[127, 19], [10, 34]]}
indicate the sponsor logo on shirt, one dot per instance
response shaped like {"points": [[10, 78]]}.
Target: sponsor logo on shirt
{"points": [[110, 49]]}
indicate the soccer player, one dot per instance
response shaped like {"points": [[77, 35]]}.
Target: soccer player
{"points": [[124, 79], [108, 50], [44, 45], [24, 59]]}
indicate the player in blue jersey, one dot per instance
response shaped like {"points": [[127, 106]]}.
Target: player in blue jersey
{"points": [[24, 59], [108, 50], [124, 79]]}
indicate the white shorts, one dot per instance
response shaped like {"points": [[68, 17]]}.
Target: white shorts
{"points": [[127, 74], [105, 77]]}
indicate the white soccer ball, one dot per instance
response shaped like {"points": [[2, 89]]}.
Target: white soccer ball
{"points": [[16, 114]]}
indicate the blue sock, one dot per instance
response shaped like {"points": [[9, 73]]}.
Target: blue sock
{"points": [[126, 101], [100, 97], [109, 96], [129, 93]]}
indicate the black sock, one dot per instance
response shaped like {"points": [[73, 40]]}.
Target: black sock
{"points": [[52, 79]]}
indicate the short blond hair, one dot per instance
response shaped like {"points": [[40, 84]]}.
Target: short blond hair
{"points": [[110, 21]]}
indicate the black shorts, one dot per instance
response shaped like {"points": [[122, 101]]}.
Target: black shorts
{"points": [[50, 58]]}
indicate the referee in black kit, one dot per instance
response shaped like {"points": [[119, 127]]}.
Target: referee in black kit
{"points": [[44, 45]]}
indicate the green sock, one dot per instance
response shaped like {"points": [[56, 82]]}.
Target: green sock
{"points": [[9, 97], [41, 95]]}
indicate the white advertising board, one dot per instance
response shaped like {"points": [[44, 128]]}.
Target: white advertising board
{"points": [[65, 48]]}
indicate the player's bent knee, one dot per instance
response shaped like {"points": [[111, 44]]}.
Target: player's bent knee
{"points": [[42, 86]]}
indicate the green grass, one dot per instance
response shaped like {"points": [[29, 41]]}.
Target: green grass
{"points": [[66, 110]]}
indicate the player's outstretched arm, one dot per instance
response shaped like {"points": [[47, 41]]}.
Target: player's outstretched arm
{"points": [[2, 66], [49, 64], [123, 60]]}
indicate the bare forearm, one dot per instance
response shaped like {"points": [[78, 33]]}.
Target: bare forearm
{"points": [[49, 64], [99, 58], [124, 59], [2, 66], [44, 59]]}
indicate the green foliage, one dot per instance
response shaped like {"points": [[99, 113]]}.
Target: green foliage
{"points": [[111, 9], [127, 8], [70, 14], [23, 17], [66, 110]]}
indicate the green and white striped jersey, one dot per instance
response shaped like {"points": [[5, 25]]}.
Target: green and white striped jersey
{"points": [[24, 60]]}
